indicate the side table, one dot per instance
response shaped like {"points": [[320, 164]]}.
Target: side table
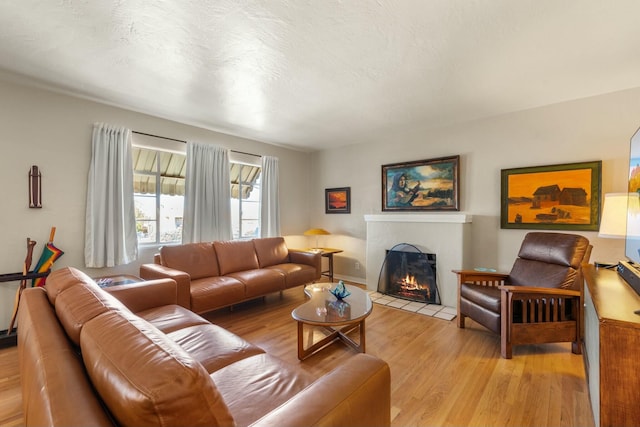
{"points": [[327, 253]]}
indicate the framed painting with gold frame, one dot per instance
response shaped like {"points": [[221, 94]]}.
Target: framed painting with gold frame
{"points": [[422, 185]]}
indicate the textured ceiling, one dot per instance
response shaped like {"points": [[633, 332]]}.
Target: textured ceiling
{"points": [[315, 74]]}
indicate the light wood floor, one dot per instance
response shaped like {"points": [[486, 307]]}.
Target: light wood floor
{"points": [[440, 375]]}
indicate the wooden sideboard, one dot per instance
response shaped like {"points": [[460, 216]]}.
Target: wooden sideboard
{"points": [[612, 347]]}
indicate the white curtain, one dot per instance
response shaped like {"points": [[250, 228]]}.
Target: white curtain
{"points": [[269, 202], [207, 199], [110, 227]]}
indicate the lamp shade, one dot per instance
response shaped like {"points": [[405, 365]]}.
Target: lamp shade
{"points": [[316, 232], [613, 223]]}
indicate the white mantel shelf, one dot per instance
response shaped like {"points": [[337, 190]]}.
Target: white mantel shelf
{"points": [[448, 217]]}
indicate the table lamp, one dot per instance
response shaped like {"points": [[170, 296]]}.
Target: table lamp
{"points": [[613, 222], [316, 232]]}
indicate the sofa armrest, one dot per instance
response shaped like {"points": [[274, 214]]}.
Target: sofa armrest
{"points": [[357, 393], [309, 258], [145, 295], [182, 279]]}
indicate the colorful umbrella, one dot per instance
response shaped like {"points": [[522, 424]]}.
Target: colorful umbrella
{"points": [[49, 255]]}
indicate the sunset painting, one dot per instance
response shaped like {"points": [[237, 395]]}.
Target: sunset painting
{"points": [[338, 200]]}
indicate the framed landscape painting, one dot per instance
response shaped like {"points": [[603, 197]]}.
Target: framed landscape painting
{"points": [[337, 200], [422, 185], [555, 197]]}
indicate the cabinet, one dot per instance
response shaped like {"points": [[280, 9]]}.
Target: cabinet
{"points": [[612, 347]]}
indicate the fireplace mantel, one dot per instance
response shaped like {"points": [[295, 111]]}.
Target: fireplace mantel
{"points": [[446, 234], [448, 217]]}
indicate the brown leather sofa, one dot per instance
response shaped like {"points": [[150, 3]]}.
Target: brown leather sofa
{"points": [[223, 273], [132, 356]]}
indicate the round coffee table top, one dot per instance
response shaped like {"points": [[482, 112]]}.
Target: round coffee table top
{"points": [[324, 309]]}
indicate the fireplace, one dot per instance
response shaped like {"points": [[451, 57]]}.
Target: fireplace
{"points": [[410, 274]]}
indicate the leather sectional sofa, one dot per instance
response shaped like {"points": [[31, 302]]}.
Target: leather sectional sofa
{"points": [[217, 274], [130, 355]]}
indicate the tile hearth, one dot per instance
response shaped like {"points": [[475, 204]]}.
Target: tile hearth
{"points": [[433, 310]]}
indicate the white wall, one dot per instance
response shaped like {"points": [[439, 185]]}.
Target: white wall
{"points": [[597, 128], [53, 131]]}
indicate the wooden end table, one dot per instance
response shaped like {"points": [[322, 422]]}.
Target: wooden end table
{"points": [[327, 253], [337, 318]]}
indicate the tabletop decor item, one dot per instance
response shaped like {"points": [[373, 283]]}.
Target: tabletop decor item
{"points": [[340, 291]]}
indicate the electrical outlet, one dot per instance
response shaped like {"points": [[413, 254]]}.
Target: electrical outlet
{"points": [[357, 265]]}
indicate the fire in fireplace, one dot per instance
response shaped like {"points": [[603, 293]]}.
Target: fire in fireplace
{"points": [[410, 274]]}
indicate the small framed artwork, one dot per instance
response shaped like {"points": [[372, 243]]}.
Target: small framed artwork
{"points": [[337, 200], [422, 185], [555, 197]]}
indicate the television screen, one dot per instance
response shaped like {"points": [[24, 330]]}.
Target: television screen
{"points": [[632, 241]]}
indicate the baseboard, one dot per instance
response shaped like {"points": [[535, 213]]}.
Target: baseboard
{"points": [[8, 340], [350, 279]]}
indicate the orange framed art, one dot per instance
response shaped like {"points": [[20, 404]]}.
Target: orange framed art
{"points": [[555, 197], [337, 200]]}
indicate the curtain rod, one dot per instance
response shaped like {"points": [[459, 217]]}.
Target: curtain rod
{"points": [[248, 154], [184, 142], [158, 136]]}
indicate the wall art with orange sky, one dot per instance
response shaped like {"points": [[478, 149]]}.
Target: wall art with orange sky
{"points": [[555, 197], [337, 200]]}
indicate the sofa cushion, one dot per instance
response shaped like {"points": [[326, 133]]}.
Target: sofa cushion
{"points": [[169, 318], [236, 255], [210, 293], [63, 279], [51, 370], [213, 346], [295, 274], [196, 259], [260, 281], [145, 378], [268, 381], [78, 299], [271, 251]]}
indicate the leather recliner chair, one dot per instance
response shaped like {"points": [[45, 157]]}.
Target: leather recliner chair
{"points": [[539, 301]]}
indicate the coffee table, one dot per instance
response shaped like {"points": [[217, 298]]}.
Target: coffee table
{"points": [[116, 279], [336, 318]]}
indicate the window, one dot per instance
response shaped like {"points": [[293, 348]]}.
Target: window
{"points": [[245, 200], [159, 170], [158, 192]]}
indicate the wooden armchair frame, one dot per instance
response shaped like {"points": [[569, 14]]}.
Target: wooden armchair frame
{"points": [[477, 278], [545, 314]]}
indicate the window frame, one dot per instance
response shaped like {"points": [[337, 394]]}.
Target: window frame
{"points": [[248, 160], [160, 146]]}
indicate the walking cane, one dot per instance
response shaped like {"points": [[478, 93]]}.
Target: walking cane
{"points": [[23, 282]]}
